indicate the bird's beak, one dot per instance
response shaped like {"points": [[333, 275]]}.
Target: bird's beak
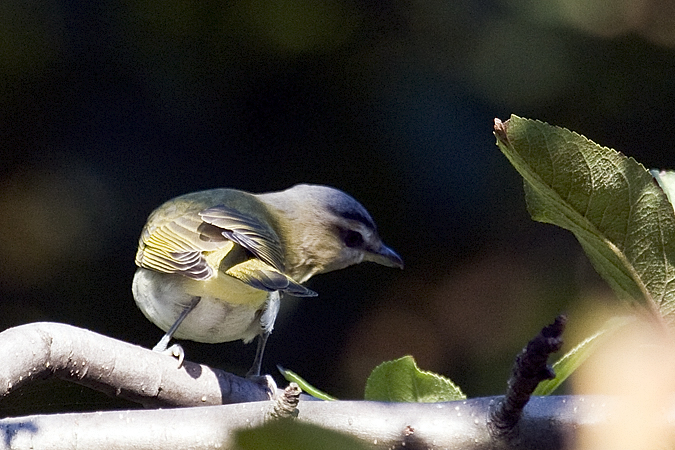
{"points": [[385, 256]]}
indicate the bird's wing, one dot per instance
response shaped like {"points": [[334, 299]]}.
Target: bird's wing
{"points": [[251, 233], [177, 246], [239, 244]]}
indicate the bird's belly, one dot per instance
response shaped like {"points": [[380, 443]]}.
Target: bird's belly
{"points": [[162, 297]]}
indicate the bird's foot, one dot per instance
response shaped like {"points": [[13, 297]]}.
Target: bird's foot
{"points": [[267, 382], [175, 351]]}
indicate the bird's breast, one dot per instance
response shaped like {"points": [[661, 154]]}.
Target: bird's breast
{"points": [[227, 311]]}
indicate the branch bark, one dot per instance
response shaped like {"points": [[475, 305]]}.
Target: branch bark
{"points": [[547, 423], [119, 369]]}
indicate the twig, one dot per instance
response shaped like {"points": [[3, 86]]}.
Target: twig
{"points": [[529, 370]]}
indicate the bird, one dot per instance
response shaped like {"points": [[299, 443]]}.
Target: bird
{"points": [[214, 264]]}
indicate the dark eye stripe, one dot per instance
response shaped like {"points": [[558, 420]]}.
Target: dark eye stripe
{"points": [[352, 239]]}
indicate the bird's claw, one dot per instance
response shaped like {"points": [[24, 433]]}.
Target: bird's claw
{"points": [[175, 351], [267, 382]]}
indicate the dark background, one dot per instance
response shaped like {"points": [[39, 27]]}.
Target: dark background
{"points": [[109, 108]]}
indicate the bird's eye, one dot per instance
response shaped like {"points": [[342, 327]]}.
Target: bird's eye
{"points": [[353, 238]]}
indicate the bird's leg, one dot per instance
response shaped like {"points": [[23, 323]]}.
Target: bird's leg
{"points": [[254, 371], [267, 316], [175, 350]]}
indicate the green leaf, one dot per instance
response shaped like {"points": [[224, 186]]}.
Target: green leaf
{"points": [[571, 361], [291, 376], [294, 435], [611, 203], [401, 380]]}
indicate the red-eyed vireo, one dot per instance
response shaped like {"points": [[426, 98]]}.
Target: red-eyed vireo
{"points": [[212, 264]]}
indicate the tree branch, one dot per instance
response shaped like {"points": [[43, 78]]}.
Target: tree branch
{"points": [[118, 369], [547, 423], [42, 350]]}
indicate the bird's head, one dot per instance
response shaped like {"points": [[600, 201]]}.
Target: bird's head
{"points": [[324, 229]]}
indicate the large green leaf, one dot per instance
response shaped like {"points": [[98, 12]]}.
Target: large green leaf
{"points": [[611, 203], [401, 380]]}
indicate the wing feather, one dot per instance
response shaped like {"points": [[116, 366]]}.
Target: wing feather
{"points": [[187, 240], [177, 246], [258, 274], [251, 233]]}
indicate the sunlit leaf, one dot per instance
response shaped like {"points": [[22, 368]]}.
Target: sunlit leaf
{"points": [[401, 380], [610, 202]]}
